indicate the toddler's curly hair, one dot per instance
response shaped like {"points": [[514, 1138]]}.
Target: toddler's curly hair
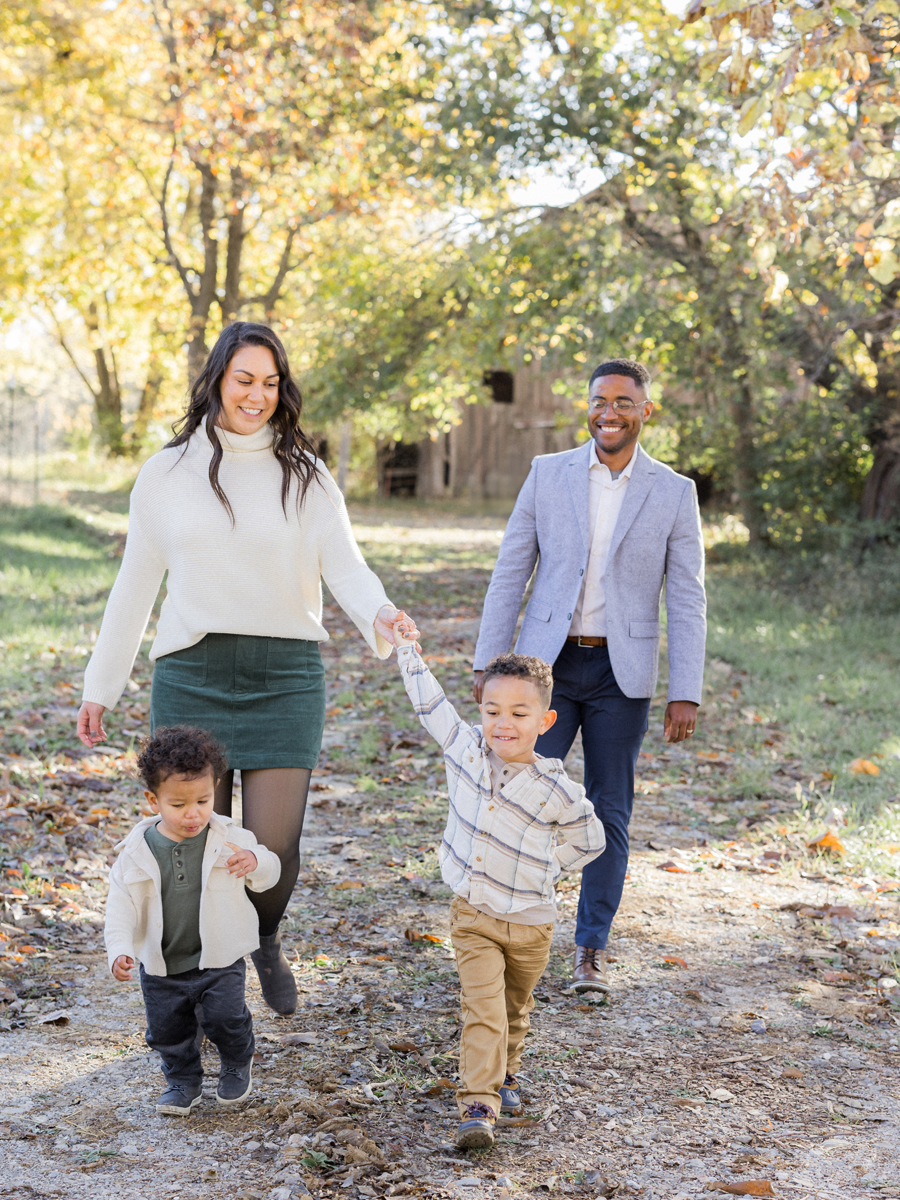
{"points": [[522, 666], [179, 750]]}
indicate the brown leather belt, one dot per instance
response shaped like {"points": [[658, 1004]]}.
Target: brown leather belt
{"points": [[587, 641]]}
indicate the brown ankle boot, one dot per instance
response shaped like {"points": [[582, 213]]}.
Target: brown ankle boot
{"points": [[589, 974]]}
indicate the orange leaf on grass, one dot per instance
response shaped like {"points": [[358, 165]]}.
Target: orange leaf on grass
{"points": [[828, 843], [413, 935], [673, 867], [675, 962], [864, 766]]}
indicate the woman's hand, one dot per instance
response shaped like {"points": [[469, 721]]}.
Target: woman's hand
{"points": [[384, 621], [90, 724]]}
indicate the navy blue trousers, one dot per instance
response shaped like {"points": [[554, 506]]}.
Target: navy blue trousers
{"points": [[171, 1001], [586, 695]]}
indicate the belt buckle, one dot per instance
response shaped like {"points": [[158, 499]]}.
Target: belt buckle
{"points": [[582, 643]]}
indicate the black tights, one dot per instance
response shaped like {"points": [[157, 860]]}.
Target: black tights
{"points": [[274, 803]]}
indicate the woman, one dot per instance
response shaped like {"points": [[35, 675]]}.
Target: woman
{"points": [[246, 521]]}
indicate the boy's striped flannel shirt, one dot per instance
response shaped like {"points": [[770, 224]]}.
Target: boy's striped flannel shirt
{"points": [[504, 851]]}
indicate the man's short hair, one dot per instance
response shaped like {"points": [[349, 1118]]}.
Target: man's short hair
{"points": [[179, 750], [624, 366], [522, 666]]}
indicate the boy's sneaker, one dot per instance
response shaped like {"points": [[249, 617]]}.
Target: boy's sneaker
{"points": [[235, 1084], [510, 1096], [179, 1099], [476, 1129]]}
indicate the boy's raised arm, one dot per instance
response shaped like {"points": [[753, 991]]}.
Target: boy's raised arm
{"points": [[432, 707]]}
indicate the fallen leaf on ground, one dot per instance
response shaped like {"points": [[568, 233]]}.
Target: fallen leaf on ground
{"points": [[345, 884], [689, 1101], [721, 1094], [673, 867], [521, 1122], [864, 766], [298, 1039], [440, 1086], [749, 1187], [413, 935], [60, 1017], [673, 961], [791, 1073], [404, 1047], [828, 842]]}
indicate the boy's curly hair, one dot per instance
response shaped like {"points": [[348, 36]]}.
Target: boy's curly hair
{"points": [[522, 666], [179, 750]]}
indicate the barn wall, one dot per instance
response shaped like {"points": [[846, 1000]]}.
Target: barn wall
{"points": [[489, 454]]}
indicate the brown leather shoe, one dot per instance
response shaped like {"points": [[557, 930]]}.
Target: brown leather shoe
{"points": [[589, 974]]}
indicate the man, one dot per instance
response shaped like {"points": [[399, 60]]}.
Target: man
{"points": [[606, 524]]}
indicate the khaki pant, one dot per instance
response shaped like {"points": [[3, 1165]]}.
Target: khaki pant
{"points": [[499, 964]]}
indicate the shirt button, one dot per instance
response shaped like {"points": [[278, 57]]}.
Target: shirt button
{"points": [[477, 858], [181, 877], [490, 808]]}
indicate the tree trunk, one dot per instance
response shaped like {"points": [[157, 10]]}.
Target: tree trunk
{"points": [[881, 492], [745, 476], [107, 396], [146, 404]]}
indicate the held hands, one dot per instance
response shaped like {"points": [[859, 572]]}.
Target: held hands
{"points": [[242, 862], [405, 632], [680, 721], [122, 968], [90, 725]]}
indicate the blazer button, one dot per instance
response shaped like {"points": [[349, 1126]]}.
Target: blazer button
{"points": [[581, 572], [569, 617]]}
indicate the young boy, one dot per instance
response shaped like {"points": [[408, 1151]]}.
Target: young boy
{"points": [[516, 821], [178, 904]]}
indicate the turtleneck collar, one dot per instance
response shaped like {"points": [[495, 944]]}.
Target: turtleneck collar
{"points": [[246, 443]]}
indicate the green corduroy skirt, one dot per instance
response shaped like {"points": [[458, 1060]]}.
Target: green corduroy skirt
{"points": [[262, 698]]}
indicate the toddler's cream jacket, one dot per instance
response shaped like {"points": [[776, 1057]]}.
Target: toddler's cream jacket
{"points": [[229, 926]]}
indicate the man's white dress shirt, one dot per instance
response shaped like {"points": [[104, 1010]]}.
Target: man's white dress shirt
{"points": [[605, 498]]}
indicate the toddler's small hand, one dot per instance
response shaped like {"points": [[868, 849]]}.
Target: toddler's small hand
{"points": [[405, 631], [122, 968], [242, 862]]}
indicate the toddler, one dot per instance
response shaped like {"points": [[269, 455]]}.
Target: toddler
{"points": [[178, 905], [516, 821]]}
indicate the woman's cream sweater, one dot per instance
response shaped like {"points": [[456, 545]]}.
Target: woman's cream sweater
{"points": [[259, 576]]}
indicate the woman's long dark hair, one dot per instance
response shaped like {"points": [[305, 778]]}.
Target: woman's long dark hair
{"points": [[292, 448]]}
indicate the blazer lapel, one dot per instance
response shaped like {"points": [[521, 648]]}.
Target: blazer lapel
{"points": [[636, 492], [579, 484]]}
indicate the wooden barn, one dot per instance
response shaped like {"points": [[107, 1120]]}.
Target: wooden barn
{"points": [[489, 453]]}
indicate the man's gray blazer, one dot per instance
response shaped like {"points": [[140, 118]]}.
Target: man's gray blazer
{"points": [[657, 536]]}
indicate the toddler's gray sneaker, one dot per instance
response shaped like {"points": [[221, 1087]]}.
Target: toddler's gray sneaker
{"points": [[179, 1099], [235, 1084]]}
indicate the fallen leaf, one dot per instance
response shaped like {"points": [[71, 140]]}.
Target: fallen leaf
{"points": [[298, 1039], [673, 961], [841, 912], [791, 1073], [521, 1122], [673, 867], [689, 1101], [827, 842], [440, 1086], [749, 1187], [413, 935], [721, 1094], [864, 766], [60, 1017], [404, 1047], [345, 884]]}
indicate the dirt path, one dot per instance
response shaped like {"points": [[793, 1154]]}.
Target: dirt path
{"points": [[749, 1037]]}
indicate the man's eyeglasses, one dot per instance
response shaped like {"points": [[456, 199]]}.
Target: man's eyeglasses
{"points": [[619, 406]]}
